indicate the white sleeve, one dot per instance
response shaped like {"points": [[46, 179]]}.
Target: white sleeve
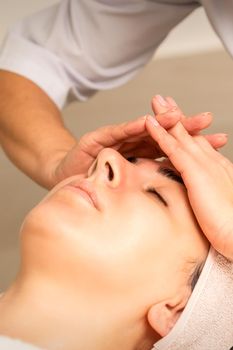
{"points": [[77, 47], [220, 14]]}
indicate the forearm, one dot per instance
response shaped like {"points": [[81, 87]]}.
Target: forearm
{"points": [[32, 132]]}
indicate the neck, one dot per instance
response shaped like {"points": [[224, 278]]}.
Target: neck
{"points": [[53, 317]]}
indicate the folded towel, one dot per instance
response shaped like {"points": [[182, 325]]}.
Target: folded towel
{"points": [[7, 343], [207, 320]]}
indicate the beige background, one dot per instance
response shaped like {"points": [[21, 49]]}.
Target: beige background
{"points": [[199, 82]]}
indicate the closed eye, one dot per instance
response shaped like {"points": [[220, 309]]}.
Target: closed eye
{"points": [[150, 189], [158, 195]]}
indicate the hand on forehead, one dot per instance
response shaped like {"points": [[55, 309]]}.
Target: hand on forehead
{"points": [[208, 177]]}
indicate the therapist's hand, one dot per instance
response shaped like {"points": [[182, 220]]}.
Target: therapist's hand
{"points": [[79, 159], [208, 177], [194, 124], [130, 138]]}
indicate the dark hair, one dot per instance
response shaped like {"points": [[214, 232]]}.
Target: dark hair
{"points": [[196, 274]]}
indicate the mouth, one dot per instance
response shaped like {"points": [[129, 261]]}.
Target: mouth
{"points": [[86, 190]]}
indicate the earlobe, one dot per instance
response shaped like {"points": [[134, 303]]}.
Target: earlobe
{"points": [[163, 316]]}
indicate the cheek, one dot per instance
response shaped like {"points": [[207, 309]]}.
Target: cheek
{"points": [[127, 247], [52, 235], [117, 251]]}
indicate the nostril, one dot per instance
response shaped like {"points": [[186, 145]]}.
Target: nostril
{"points": [[110, 171]]}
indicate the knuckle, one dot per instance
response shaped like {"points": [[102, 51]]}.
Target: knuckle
{"points": [[175, 151], [199, 139], [224, 162], [85, 137], [194, 147]]}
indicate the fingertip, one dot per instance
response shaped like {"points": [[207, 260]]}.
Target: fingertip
{"points": [[160, 105], [171, 101], [200, 121], [207, 115], [152, 120], [137, 120], [154, 101], [217, 140], [161, 100], [223, 138]]}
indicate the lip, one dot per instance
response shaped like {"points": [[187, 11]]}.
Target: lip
{"points": [[88, 189]]}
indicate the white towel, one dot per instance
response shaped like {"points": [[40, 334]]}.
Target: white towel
{"points": [[7, 343], [207, 320]]}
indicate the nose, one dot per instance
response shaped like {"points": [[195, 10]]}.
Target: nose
{"points": [[108, 168]]}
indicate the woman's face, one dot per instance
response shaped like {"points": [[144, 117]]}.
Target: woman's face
{"points": [[136, 243]]}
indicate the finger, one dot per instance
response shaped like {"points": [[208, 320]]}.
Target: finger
{"points": [[109, 135], [169, 118], [206, 142], [192, 124], [168, 144], [162, 105], [198, 147], [159, 105], [197, 122], [207, 182], [173, 103], [196, 144], [216, 140], [133, 127]]}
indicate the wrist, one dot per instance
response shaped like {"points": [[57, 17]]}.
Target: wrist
{"points": [[51, 174], [50, 164]]}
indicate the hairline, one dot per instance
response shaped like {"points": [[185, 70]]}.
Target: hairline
{"points": [[196, 274]]}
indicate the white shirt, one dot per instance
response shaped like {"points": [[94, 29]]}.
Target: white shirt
{"points": [[77, 47]]}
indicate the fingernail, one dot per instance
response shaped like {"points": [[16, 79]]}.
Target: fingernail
{"points": [[206, 114], [173, 102], [223, 136], [161, 100], [152, 120]]}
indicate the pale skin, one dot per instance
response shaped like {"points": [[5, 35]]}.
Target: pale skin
{"points": [[50, 157], [116, 277], [34, 137], [161, 316], [208, 177]]}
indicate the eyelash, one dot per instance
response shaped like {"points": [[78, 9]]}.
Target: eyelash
{"points": [[157, 194], [150, 189]]}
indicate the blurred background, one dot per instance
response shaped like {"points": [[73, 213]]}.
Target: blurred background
{"points": [[191, 66]]}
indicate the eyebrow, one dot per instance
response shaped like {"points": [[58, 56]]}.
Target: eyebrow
{"points": [[171, 174]]}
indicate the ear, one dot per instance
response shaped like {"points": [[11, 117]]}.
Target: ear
{"points": [[163, 315]]}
